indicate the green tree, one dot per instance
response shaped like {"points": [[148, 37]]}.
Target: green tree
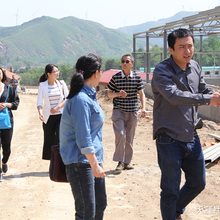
{"points": [[155, 57], [66, 72], [210, 44], [140, 58], [17, 65], [112, 64], [31, 77]]}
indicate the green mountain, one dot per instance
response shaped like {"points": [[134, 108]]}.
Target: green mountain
{"points": [[49, 40]]}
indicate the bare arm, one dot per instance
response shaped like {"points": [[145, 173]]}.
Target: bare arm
{"points": [[143, 104], [40, 112], [55, 109], [112, 94]]}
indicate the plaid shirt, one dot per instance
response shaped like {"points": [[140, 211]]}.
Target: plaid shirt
{"points": [[131, 85]]}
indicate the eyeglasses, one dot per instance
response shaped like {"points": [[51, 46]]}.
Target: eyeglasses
{"points": [[57, 71], [125, 61]]}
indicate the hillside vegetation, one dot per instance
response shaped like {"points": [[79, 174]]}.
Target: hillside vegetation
{"points": [[50, 40]]}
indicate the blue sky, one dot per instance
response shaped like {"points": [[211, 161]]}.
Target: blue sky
{"points": [[111, 14]]}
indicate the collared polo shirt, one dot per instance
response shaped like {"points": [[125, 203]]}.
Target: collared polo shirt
{"points": [[131, 85]]}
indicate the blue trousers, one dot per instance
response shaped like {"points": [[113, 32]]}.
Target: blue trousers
{"points": [[89, 192], [173, 156]]}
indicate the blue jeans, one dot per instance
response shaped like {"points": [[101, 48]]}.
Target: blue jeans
{"points": [[89, 192], [173, 156]]}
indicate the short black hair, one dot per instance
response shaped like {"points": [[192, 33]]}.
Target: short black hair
{"points": [[178, 33]]}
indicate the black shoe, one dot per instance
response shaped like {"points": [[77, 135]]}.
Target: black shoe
{"points": [[128, 167], [4, 168], [120, 166]]}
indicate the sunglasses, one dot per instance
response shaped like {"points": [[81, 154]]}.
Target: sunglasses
{"points": [[125, 61]]}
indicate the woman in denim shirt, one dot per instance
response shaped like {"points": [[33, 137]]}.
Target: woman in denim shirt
{"points": [[81, 140]]}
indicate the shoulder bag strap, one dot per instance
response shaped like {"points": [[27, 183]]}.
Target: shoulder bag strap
{"points": [[7, 94]]}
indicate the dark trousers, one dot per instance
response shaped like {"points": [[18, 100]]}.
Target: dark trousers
{"points": [[5, 143], [51, 135]]}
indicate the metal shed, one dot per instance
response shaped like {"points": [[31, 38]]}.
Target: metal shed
{"points": [[204, 23]]}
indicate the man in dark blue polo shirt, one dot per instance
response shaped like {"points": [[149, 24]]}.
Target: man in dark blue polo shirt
{"points": [[123, 88], [179, 89], [14, 82]]}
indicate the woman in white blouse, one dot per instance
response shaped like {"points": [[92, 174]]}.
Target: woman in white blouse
{"points": [[50, 103]]}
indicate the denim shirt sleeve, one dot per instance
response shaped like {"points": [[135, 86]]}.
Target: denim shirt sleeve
{"points": [[81, 113], [174, 91]]}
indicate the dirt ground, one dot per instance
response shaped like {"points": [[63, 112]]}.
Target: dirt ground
{"points": [[28, 194]]}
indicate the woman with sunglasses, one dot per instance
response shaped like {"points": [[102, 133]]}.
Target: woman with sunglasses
{"points": [[81, 140], [52, 93]]}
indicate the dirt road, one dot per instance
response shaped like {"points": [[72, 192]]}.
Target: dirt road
{"points": [[28, 194]]}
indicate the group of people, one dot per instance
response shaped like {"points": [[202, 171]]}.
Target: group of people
{"points": [[74, 120]]}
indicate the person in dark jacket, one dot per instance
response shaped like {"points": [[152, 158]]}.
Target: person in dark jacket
{"points": [[6, 134], [179, 89]]}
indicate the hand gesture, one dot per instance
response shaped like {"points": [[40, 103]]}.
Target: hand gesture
{"points": [[123, 93], [215, 99]]}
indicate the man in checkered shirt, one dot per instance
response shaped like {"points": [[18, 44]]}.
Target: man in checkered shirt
{"points": [[123, 88]]}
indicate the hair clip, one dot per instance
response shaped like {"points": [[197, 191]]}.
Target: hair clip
{"points": [[81, 71]]}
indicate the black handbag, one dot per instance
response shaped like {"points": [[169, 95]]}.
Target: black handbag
{"points": [[57, 168]]}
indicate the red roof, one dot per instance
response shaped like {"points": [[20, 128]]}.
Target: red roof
{"points": [[10, 74], [107, 75]]}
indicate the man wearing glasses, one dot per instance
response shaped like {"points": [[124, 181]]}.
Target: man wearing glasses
{"points": [[123, 88]]}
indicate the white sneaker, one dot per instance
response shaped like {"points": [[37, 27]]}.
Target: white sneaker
{"points": [[1, 177]]}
